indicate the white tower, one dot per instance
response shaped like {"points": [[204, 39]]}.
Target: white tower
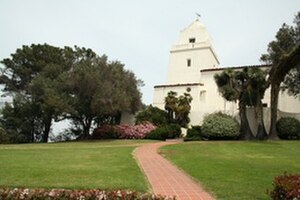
{"points": [[192, 53]]}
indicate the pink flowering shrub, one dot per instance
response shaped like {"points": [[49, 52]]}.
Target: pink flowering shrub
{"points": [[139, 131], [61, 194], [123, 131]]}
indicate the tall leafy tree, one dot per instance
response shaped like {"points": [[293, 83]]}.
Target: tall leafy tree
{"points": [[34, 72], [283, 54], [99, 89], [21, 121]]}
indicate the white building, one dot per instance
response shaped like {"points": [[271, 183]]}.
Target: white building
{"points": [[192, 66]]}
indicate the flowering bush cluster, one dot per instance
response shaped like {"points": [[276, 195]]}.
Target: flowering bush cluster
{"points": [[123, 131], [286, 187], [139, 131], [61, 194]]}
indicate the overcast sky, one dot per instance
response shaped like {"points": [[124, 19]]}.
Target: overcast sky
{"points": [[139, 33]]}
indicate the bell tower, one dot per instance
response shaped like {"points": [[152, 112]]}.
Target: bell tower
{"points": [[190, 54]]}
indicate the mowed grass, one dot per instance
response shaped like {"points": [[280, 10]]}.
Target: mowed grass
{"points": [[74, 165], [236, 170]]}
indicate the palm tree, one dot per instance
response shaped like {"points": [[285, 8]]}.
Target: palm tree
{"points": [[171, 105], [183, 109], [256, 88], [233, 87]]}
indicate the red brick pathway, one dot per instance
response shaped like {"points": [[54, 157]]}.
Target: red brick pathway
{"points": [[164, 177]]}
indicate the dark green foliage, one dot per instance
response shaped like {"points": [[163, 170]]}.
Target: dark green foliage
{"points": [[152, 114], [284, 55], [247, 87], [286, 187], [194, 134], [34, 73], [178, 108], [219, 126], [20, 121], [104, 132], [288, 128], [100, 90], [165, 132], [56, 84], [4, 139]]}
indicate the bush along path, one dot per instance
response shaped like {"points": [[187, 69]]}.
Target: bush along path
{"points": [[164, 177]]}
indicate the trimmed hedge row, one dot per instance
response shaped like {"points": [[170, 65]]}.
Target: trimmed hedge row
{"points": [[61, 194]]}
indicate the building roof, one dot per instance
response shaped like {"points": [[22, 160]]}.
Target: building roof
{"points": [[235, 67], [179, 85]]}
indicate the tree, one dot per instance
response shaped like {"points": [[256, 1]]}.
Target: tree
{"points": [[292, 82], [68, 83], [99, 89], [20, 120], [183, 109], [171, 105], [283, 54], [152, 114], [178, 108], [32, 72], [257, 86], [233, 87], [247, 87]]}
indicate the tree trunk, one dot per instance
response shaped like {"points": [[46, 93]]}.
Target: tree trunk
{"points": [[86, 128], [245, 131], [275, 88], [47, 124], [261, 130]]}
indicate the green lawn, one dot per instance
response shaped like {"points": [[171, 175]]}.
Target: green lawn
{"points": [[236, 170], [80, 165]]}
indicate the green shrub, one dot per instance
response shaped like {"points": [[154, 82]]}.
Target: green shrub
{"points": [[165, 132], [152, 114], [220, 126], [105, 132], [193, 134], [288, 128], [286, 187]]}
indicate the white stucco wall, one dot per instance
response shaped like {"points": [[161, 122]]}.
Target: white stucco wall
{"points": [[179, 72]]}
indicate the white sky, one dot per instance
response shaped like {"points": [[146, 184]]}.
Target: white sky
{"points": [[140, 33]]}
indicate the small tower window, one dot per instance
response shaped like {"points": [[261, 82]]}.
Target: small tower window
{"points": [[188, 62], [192, 40]]}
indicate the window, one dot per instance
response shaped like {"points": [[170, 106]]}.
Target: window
{"points": [[188, 62], [192, 40]]}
